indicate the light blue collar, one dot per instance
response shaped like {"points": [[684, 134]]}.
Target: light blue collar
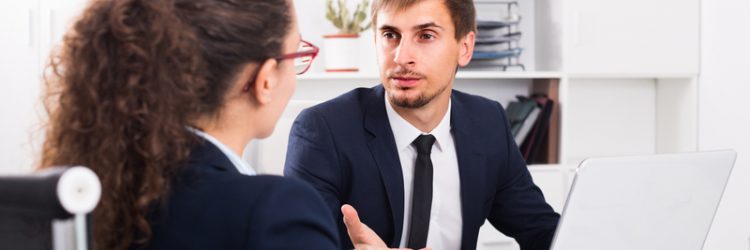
{"points": [[242, 166]]}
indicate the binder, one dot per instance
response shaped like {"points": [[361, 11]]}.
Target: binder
{"points": [[518, 111], [527, 125], [533, 143]]}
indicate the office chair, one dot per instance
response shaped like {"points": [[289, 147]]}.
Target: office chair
{"points": [[48, 209]]}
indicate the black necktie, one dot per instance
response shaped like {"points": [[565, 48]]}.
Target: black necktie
{"points": [[421, 200]]}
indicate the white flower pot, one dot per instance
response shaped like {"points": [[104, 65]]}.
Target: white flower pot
{"points": [[341, 52]]}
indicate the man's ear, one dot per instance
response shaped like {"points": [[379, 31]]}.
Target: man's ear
{"points": [[466, 49], [265, 82]]}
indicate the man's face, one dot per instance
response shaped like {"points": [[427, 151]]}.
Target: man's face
{"points": [[418, 53]]}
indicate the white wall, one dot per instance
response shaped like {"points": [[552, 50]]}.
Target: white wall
{"points": [[19, 84], [29, 29], [724, 115]]}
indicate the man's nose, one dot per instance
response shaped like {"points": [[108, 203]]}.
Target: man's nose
{"points": [[404, 54]]}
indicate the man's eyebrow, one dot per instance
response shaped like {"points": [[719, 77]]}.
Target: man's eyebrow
{"points": [[388, 27], [416, 27], [427, 25]]}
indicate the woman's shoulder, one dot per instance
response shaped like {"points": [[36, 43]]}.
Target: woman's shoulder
{"points": [[266, 210], [269, 185], [205, 182], [292, 215], [233, 211]]}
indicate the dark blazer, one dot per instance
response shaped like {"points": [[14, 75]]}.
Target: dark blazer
{"points": [[345, 148], [212, 206]]}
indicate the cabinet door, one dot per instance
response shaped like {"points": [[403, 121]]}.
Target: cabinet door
{"points": [[20, 83], [637, 37], [57, 17], [29, 28]]}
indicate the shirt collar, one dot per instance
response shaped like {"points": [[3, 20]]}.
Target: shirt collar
{"points": [[405, 133], [241, 165]]}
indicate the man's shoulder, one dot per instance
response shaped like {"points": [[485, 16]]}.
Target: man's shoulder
{"points": [[347, 105], [473, 102], [353, 97], [476, 113]]}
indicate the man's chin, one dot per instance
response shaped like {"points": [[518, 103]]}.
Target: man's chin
{"points": [[409, 102]]}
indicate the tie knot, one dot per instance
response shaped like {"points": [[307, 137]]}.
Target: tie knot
{"points": [[423, 143]]}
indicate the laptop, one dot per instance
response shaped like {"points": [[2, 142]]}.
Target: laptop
{"points": [[644, 202]]}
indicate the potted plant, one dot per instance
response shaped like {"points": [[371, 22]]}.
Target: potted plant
{"points": [[341, 48]]}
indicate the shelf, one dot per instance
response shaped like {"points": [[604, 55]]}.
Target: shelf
{"points": [[551, 167], [508, 74], [337, 76], [632, 76], [460, 75]]}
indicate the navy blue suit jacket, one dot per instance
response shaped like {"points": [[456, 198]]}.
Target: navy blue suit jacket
{"points": [[345, 148], [212, 206]]}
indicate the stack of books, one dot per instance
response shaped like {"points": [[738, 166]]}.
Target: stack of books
{"points": [[529, 119]]}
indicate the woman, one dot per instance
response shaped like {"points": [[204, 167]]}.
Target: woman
{"points": [[159, 98]]}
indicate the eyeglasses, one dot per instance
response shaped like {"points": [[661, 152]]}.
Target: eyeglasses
{"points": [[303, 58]]}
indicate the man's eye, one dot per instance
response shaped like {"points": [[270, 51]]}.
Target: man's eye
{"points": [[427, 36], [390, 35]]}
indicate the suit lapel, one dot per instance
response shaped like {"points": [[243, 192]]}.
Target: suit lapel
{"points": [[383, 149], [470, 165]]}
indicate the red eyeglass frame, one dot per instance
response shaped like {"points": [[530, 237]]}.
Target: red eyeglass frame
{"points": [[313, 53]]}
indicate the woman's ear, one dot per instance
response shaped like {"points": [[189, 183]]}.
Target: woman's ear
{"points": [[265, 83], [466, 49]]}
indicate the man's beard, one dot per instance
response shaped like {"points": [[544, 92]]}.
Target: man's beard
{"points": [[421, 100]]}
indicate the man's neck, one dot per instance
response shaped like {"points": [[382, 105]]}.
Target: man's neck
{"points": [[427, 117]]}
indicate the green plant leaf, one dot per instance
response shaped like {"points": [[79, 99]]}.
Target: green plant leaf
{"points": [[361, 17], [345, 22], [341, 18], [369, 24], [331, 14]]}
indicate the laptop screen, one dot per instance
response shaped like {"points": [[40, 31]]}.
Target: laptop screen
{"points": [[644, 202]]}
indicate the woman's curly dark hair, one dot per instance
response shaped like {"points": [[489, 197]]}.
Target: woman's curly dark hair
{"points": [[130, 76]]}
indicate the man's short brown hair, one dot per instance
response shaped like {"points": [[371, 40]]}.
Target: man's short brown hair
{"points": [[462, 13]]}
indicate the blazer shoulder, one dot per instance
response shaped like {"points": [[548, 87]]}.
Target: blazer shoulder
{"points": [[264, 187], [224, 210], [273, 192], [347, 104], [472, 101], [272, 185], [290, 214], [487, 111], [203, 179]]}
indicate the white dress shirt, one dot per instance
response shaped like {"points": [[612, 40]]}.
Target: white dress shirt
{"points": [[445, 214], [242, 166]]}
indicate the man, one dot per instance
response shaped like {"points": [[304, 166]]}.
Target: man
{"points": [[422, 164]]}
